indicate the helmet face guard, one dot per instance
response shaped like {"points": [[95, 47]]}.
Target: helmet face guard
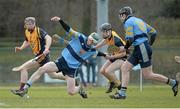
{"points": [[106, 34], [94, 37], [105, 29]]}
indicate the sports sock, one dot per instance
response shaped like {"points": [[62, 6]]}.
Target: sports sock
{"points": [[119, 87], [171, 82], [122, 92], [28, 84], [118, 84], [110, 81], [21, 86]]}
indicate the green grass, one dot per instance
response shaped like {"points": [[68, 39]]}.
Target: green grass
{"points": [[57, 97]]}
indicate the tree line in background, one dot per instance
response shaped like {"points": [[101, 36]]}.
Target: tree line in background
{"points": [[163, 15], [171, 9], [81, 14]]}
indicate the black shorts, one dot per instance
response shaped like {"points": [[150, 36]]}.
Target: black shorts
{"points": [[141, 55], [45, 60], [64, 68], [122, 58]]}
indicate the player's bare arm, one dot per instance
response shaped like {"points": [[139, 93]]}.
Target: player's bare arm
{"points": [[23, 46], [48, 44], [100, 44]]}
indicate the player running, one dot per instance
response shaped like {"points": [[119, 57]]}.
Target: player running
{"points": [[115, 44], [76, 52], [40, 42], [137, 32]]}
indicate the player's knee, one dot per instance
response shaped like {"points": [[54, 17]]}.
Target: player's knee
{"points": [[102, 71], [23, 70], [106, 71]]}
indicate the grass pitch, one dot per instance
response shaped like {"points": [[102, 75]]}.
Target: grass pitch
{"points": [[57, 97]]}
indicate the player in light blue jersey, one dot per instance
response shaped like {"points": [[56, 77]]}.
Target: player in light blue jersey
{"points": [[78, 49], [140, 35]]}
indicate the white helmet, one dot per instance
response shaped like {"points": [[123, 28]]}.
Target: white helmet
{"points": [[94, 36]]}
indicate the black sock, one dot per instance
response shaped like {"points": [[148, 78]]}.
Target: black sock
{"points": [[167, 81]]}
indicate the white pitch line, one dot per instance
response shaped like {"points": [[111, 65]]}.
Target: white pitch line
{"points": [[3, 104]]}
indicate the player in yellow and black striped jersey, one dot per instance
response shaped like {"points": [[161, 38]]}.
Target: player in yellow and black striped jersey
{"points": [[40, 43], [115, 45]]}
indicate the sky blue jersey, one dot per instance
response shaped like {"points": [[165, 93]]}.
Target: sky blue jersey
{"points": [[137, 31], [80, 48]]}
